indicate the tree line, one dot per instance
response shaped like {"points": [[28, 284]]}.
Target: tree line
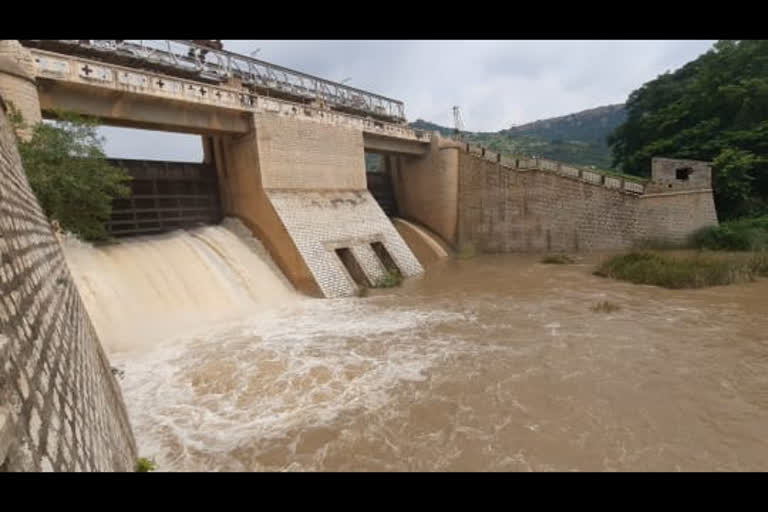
{"points": [[715, 108]]}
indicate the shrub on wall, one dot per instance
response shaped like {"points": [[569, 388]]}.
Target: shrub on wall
{"points": [[68, 171]]}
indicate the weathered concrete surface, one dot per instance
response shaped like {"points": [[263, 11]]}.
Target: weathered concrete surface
{"points": [[243, 196], [124, 95], [694, 175], [504, 209], [61, 408], [301, 187], [302, 155], [426, 188], [673, 216], [17, 84], [322, 221], [395, 145], [133, 110], [425, 245]]}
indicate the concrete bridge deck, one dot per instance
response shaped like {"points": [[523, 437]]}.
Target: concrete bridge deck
{"points": [[187, 59], [124, 96]]}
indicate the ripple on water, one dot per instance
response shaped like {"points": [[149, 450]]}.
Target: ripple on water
{"points": [[498, 364]]}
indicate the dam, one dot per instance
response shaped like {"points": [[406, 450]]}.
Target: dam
{"points": [[234, 323]]}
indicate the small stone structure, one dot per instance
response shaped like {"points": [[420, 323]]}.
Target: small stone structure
{"points": [[672, 175]]}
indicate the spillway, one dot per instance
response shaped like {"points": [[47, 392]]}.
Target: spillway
{"points": [[142, 290]]}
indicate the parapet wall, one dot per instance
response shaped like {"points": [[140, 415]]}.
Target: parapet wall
{"points": [[61, 408], [537, 205]]}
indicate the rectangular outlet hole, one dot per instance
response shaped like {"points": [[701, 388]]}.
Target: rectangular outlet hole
{"points": [[353, 267], [385, 257]]}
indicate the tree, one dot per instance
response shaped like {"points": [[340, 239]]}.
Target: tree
{"points": [[715, 108], [70, 175]]}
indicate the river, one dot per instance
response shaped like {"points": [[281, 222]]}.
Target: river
{"points": [[496, 363]]}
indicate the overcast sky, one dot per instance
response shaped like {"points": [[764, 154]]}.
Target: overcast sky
{"points": [[495, 83]]}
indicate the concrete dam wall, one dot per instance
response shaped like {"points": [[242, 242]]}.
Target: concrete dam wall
{"points": [[472, 197], [504, 209], [61, 408]]}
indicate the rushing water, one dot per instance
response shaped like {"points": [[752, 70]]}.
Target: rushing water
{"points": [[494, 363]]}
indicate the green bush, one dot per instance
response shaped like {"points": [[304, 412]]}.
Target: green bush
{"points": [[144, 465], [466, 252], [390, 279], [739, 235], [659, 244], [695, 271], [557, 259], [759, 264], [68, 171]]}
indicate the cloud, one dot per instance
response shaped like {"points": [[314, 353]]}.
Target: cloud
{"points": [[495, 83]]}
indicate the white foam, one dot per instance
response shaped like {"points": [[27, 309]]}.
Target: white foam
{"points": [[145, 290], [272, 375]]}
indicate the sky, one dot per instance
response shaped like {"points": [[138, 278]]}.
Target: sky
{"points": [[496, 84]]}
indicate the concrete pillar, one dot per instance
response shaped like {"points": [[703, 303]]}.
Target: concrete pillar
{"points": [[208, 153], [301, 189], [427, 188], [17, 85]]}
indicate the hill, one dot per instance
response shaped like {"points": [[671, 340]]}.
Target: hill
{"points": [[578, 138], [714, 108]]}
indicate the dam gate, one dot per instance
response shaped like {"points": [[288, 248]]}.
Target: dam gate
{"points": [[165, 196]]}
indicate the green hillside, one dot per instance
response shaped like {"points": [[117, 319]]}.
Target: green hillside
{"points": [[714, 108], [579, 138]]}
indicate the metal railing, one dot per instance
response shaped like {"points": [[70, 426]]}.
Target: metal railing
{"points": [[221, 65]]}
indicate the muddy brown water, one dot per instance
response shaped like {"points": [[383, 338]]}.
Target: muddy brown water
{"points": [[497, 363]]}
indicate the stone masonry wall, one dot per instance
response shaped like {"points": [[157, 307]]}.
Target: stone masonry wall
{"points": [[673, 216], [321, 222], [61, 408], [308, 155], [426, 188], [302, 186], [17, 81], [503, 210]]}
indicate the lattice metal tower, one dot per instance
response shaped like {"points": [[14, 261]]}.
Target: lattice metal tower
{"points": [[458, 124]]}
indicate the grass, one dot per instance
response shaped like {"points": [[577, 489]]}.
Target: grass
{"points": [[390, 279], [749, 234], [556, 259], [466, 252], [659, 244], [690, 271], [605, 307], [144, 465]]}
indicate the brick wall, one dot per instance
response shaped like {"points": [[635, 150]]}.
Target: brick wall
{"points": [[321, 222], [673, 216], [298, 154], [503, 209], [301, 187], [426, 188], [61, 408]]}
